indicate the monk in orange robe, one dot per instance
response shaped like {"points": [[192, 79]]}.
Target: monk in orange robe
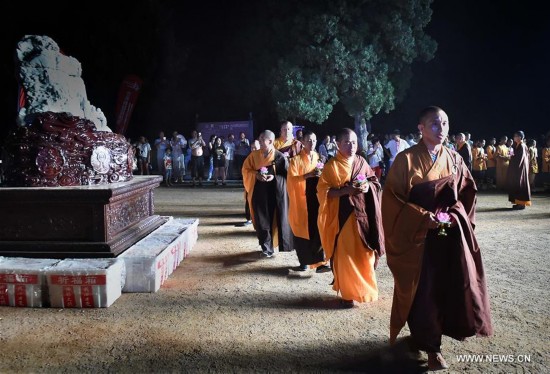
{"points": [[286, 143], [491, 174], [350, 221], [503, 160], [302, 178], [439, 282], [264, 178]]}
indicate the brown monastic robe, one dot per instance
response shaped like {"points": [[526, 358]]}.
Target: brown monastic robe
{"points": [[519, 191], [416, 186]]}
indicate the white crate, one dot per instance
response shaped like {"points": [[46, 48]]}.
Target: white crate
{"points": [[85, 283], [150, 261], [23, 282]]}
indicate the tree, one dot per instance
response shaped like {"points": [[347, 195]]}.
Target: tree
{"points": [[356, 52]]}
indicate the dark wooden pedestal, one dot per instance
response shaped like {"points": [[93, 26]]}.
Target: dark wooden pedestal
{"points": [[77, 222]]}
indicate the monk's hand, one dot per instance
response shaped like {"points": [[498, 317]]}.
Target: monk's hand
{"points": [[263, 177], [365, 187], [269, 177], [432, 222], [311, 174], [358, 190]]}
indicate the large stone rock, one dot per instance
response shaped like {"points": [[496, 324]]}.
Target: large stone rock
{"points": [[53, 82]]}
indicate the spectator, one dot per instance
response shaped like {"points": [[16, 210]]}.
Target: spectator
{"points": [[395, 145], [242, 150], [229, 145], [144, 155]]}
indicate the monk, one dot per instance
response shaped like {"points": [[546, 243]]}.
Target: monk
{"points": [[439, 282], [463, 148], [350, 221], [519, 190], [491, 174], [264, 178], [302, 177], [285, 143], [503, 160]]}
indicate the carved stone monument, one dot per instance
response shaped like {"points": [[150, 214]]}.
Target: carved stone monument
{"points": [[69, 189]]}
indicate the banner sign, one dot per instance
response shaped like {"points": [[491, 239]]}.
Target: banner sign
{"points": [[225, 128], [127, 97]]}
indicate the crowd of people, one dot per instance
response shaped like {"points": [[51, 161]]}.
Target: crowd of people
{"points": [[193, 159]]}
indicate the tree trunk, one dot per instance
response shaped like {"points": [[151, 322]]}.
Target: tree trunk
{"points": [[361, 130]]}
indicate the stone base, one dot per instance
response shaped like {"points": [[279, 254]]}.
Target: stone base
{"points": [[77, 222]]}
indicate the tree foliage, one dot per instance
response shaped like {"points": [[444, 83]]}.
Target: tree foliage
{"points": [[358, 52]]}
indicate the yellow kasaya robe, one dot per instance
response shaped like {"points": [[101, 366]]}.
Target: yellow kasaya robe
{"points": [[292, 146], [352, 260], [302, 199], [478, 159], [415, 187], [503, 160], [491, 155], [545, 156]]}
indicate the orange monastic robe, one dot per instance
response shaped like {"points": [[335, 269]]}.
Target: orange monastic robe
{"points": [[491, 153], [503, 160], [478, 159], [545, 156], [296, 186], [352, 261], [251, 165], [292, 146]]}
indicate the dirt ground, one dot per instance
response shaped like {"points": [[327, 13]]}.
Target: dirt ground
{"points": [[226, 310]]}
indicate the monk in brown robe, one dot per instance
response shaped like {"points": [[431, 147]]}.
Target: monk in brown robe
{"points": [[286, 143], [519, 191], [302, 177], [264, 179], [439, 282], [350, 221]]}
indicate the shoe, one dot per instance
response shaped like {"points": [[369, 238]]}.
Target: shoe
{"points": [[266, 255], [223, 183], [323, 269], [300, 268], [346, 304], [436, 361], [518, 207], [247, 223]]}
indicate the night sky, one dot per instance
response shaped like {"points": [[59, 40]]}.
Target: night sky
{"points": [[490, 71]]}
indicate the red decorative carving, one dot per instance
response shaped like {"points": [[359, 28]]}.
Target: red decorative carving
{"points": [[58, 149]]}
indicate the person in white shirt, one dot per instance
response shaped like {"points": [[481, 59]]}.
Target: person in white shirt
{"points": [[178, 143], [160, 147], [229, 146], [375, 157], [395, 145], [144, 155]]}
